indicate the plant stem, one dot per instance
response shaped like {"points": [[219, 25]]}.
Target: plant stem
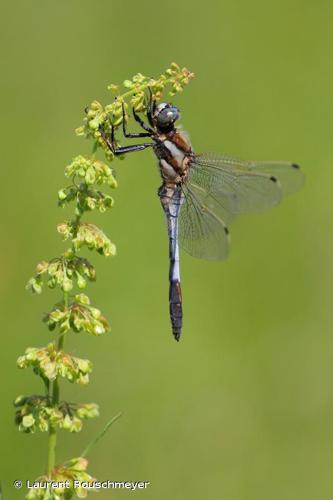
{"points": [[92, 443], [52, 443]]}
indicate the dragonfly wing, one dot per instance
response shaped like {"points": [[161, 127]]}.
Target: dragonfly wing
{"points": [[202, 232], [221, 202], [218, 188], [289, 175], [244, 187]]}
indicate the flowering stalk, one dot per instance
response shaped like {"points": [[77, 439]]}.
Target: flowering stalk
{"points": [[71, 273]]}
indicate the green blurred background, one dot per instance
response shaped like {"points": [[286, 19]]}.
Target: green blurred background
{"points": [[242, 407]]}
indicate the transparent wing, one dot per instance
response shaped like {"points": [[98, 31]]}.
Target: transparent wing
{"points": [[238, 186], [218, 188], [202, 233], [220, 203]]}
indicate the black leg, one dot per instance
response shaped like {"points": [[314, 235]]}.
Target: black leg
{"points": [[109, 141], [142, 123], [112, 134], [131, 149], [125, 149], [136, 134], [151, 107]]}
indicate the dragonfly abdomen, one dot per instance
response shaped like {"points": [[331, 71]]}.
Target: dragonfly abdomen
{"points": [[175, 293], [176, 310], [171, 199]]}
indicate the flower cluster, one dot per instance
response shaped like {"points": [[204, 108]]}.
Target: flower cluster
{"points": [[62, 271], [48, 363], [135, 96], [87, 234], [91, 171], [87, 171], [64, 479], [38, 412], [80, 316], [175, 77], [87, 199]]}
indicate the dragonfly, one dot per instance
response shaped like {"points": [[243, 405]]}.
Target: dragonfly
{"points": [[201, 194]]}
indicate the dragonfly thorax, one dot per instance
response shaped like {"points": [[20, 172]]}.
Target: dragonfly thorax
{"points": [[173, 151]]}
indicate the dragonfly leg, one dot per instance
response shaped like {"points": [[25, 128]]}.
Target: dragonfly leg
{"points": [[150, 107], [123, 149], [131, 149], [137, 134], [109, 141], [142, 123], [112, 135]]}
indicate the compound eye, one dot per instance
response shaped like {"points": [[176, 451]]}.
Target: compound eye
{"points": [[167, 117]]}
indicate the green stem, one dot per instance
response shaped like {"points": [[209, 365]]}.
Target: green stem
{"points": [[52, 443], [100, 435]]}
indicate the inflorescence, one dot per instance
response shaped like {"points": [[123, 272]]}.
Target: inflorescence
{"points": [[70, 273]]}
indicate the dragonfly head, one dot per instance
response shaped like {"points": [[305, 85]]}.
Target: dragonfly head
{"points": [[164, 116]]}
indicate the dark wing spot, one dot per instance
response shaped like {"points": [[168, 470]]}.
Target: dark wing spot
{"points": [[226, 230], [294, 165], [274, 179]]}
